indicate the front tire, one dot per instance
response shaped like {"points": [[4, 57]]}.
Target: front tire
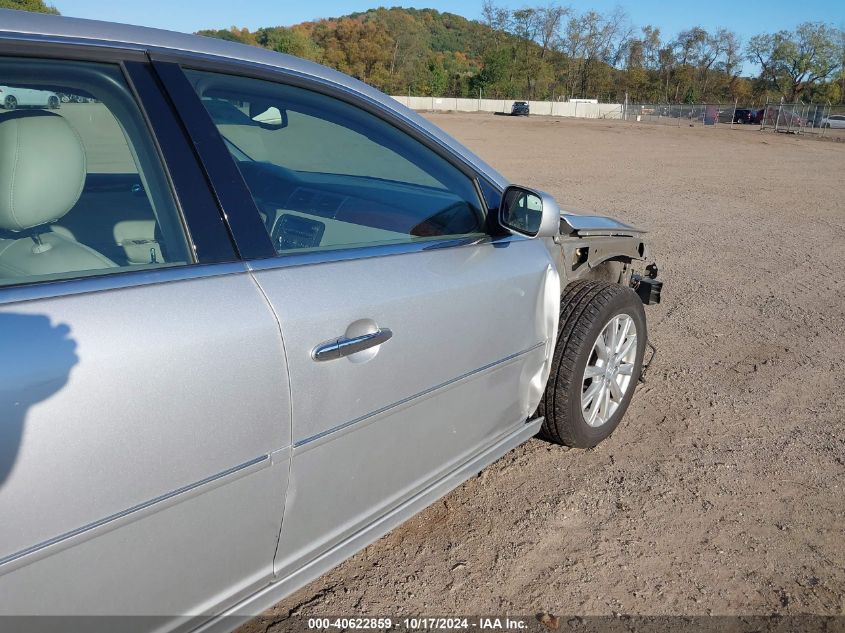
{"points": [[53, 103], [10, 103], [597, 363]]}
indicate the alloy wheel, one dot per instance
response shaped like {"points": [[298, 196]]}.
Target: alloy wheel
{"points": [[608, 375]]}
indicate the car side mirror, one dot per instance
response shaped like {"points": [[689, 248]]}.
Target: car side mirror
{"points": [[530, 213]]}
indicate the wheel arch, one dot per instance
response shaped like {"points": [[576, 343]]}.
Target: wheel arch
{"points": [[615, 269]]}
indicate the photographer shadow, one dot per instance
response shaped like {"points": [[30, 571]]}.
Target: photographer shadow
{"points": [[36, 359]]}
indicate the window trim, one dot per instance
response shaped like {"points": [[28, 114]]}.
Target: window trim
{"points": [[51, 47], [197, 209], [36, 290], [229, 189], [230, 181], [296, 259], [208, 232]]}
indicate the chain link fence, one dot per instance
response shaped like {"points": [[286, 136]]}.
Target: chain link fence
{"points": [[804, 118], [798, 118], [688, 114]]}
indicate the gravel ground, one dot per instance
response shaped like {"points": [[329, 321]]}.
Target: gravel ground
{"points": [[722, 491]]}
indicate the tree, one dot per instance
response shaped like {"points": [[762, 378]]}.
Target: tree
{"points": [[643, 66], [731, 63], [547, 50], [232, 34], [293, 41], [840, 82], [594, 44], [549, 21], [357, 47], [409, 46], [498, 21], [36, 6], [793, 62], [689, 46]]}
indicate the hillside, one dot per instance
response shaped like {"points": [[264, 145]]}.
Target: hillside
{"points": [[547, 52], [396, 50]]}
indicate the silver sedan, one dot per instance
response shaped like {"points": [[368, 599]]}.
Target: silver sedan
{"points": [[254, 314]]}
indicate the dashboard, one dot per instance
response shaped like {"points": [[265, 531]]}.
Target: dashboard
{"points": [[309, 210]]}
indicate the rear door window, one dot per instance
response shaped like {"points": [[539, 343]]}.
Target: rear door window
{"points": [[82, 189]]}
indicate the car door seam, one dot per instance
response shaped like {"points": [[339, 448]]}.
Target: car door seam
{"points": [[290, 402]]}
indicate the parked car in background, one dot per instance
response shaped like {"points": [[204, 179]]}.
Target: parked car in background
{"points": [[520, 108], [815, 118], [254, 314], [780, 116], [11, 98], [743, 115], [74, 98], [836, 121]]}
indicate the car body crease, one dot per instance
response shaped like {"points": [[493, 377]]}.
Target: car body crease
{"points": [[141, 507], [425, 392]]}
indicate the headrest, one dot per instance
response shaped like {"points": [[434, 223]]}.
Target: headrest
{"points": [[42, 168]]}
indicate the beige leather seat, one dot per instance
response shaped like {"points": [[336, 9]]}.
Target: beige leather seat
{"points": [[42, 174]]}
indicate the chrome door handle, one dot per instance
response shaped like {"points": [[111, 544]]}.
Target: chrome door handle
{"points": [[340, 347]]}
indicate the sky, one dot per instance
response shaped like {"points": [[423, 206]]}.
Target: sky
{"points": [[745, 17]]}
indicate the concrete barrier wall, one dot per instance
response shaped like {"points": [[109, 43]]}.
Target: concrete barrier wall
{"points": [[547, 108]]}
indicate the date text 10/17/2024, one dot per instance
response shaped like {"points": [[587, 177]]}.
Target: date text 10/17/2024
{"points": [[419, 623]]}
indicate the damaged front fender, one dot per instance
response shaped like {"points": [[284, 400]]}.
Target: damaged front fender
{"points": [[588, 225], [600, 247]]}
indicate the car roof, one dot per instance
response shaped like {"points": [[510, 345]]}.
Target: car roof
{"points": [[26, 25]]}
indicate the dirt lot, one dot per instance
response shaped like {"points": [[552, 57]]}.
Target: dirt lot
{"points": [[722, 491]]}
